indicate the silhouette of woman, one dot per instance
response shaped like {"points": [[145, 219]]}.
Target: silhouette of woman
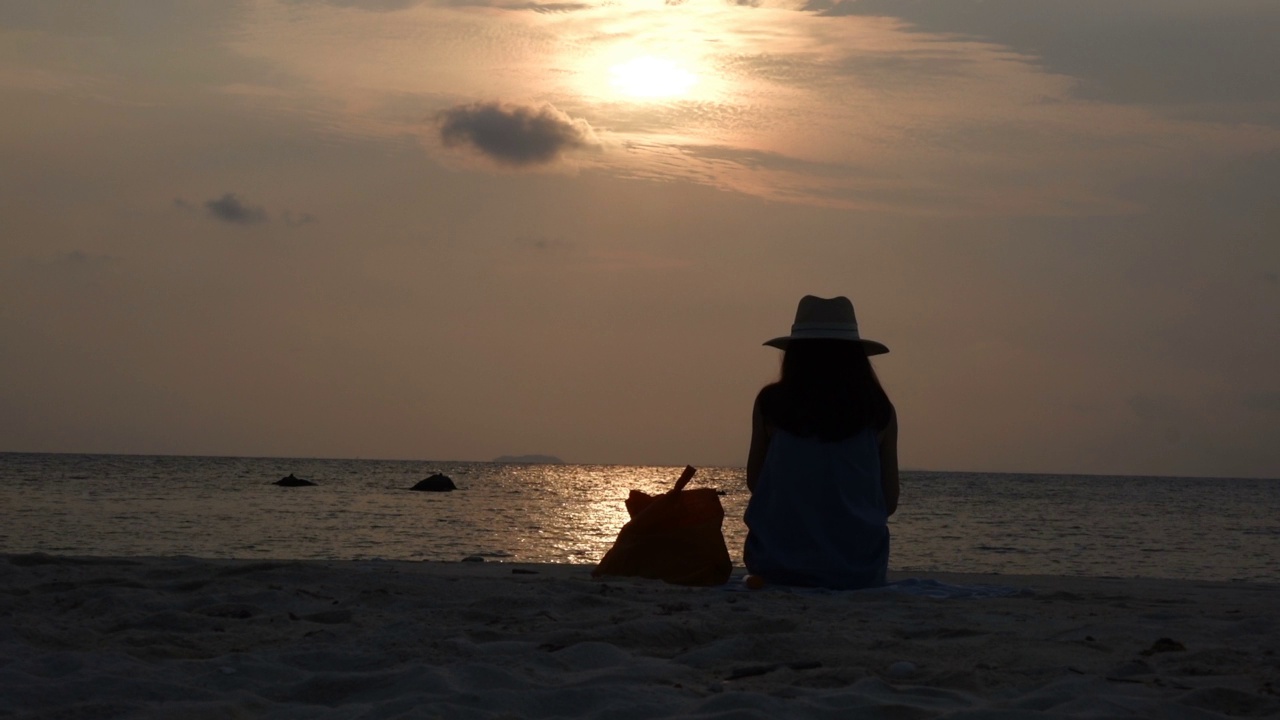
{"points": [[823, 463]]}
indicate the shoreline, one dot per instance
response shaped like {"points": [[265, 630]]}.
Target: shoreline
{"points": [[187, 637]]}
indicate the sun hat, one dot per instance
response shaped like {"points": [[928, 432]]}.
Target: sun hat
{"points": [[826, 319]]}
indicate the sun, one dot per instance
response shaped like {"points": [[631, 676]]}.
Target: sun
{"points": [[651, 78]]}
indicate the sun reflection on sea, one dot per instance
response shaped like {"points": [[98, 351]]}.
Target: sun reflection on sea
{"points": [[579, 509]]}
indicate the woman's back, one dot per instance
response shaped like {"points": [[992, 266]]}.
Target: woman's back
{"points": [[823, 462], [817, 515]]}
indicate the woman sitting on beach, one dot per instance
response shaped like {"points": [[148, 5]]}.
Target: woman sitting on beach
{"points": [[823, 464]]}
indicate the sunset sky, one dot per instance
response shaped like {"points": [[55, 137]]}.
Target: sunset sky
{"points": [[455, 229]]}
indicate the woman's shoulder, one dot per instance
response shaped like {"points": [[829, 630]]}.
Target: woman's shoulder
{"points": [[768, 391]]}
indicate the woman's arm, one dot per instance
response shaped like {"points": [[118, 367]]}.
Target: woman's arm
{"points": [[759, 446], [889, 462]]}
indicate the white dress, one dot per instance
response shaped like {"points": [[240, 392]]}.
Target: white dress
{"points": [[817, 516]]}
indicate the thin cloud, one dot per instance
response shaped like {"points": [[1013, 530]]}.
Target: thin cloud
{"points": [[553, 8], [514, 135], [1140, 51], [538, 7], [366, 5], [546, 245], [297, 219], [75, 261], [231, 209]]}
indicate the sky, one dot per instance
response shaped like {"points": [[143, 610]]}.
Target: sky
{"points": [[458, 229]]}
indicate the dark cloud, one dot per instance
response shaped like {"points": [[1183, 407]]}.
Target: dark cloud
{"points": [[514, 135], [230, 208], [1138, 51]]}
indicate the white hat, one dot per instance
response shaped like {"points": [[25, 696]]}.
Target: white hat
{"points": [[826, 319]]}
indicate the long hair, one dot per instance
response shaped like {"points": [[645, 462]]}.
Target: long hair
{"points": [[827, 390]]}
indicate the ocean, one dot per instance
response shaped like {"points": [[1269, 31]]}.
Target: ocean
{"points": [[224, 507]]}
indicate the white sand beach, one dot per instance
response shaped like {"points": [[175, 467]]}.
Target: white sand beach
{"points": [[187, 638]]}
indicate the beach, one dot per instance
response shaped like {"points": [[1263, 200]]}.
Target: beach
{"points": [[131, 637]]}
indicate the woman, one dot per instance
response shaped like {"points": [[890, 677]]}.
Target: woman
{"points": [[823, 464]]}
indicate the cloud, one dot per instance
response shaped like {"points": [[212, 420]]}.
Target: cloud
{"points": [[229, 208], [538, 7], [367, 5], [763, 160], [551, 8], [879, 69], [515, 135], [1140, 51], [383, 6], [297, 219]]}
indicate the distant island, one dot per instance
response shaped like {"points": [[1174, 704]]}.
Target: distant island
{"points": [[530, 459]]}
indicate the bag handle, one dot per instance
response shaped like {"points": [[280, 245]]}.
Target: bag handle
{"points": [[685, 477]]}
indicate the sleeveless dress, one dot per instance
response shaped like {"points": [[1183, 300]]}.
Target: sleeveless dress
{"points": [[817, 516]]}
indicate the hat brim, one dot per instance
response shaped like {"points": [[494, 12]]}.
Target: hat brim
{"points": [[871, 347]]}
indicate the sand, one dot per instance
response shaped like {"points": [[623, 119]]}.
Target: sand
{"points": [[186, 638]]}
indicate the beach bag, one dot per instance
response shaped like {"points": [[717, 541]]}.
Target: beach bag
{"points": [[674, 536]]}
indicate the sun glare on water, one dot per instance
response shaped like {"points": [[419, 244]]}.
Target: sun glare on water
{"points": [[651, 78]]}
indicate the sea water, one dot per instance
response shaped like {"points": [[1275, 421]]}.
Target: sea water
{"points": [[221, 507]]}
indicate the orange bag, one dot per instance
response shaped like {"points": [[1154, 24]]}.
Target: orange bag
{"points": [[674, 536]]}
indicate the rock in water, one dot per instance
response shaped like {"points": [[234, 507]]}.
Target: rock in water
{"points": [[291, 481], [435, 483]]}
